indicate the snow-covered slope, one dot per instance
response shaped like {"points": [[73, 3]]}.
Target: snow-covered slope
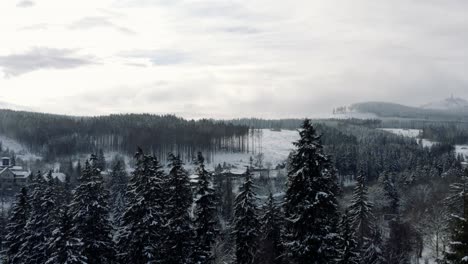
{"points": [[451, 103], [20, 150]]}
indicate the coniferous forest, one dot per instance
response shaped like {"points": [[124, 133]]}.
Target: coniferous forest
{"points": [[405, 203]]}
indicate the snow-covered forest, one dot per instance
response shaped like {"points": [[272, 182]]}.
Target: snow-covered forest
{"points": [[346, 193]]}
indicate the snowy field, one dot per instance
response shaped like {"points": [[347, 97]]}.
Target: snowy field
{"points": [[463, 150], [275, 146]]}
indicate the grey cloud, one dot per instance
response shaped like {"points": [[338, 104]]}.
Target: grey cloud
{"points": [[99, 21], [41, 58], [158, 57], [25, 3]]}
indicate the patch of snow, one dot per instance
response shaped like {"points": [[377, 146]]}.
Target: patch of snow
{"points": [[275, 146], [462, 150], [412, 133], [426, 143]]}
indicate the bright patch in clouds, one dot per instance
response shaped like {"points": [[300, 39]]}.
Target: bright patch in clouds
{"points": [[220, 58]]}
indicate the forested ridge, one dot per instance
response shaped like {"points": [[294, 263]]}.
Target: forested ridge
{"points": [[58, 135]]}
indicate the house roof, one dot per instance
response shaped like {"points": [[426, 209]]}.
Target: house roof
{"points": [[17, 173]]}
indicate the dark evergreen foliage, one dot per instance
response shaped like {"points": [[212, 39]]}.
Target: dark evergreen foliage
{"points": [[178, 242], [90, 216], [373, 253], [141, 234], [310, 203], [16, 235], [349, 247], [64, 247], [271, 246], [42, 221], [246, 223], [361, 216], [206, 219]]}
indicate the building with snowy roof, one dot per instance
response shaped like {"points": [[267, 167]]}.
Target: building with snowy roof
{"points": [[11, 177]]}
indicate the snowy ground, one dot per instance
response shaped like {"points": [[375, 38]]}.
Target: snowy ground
{"points": [[412, 133], [275, 145], [463, 150]]}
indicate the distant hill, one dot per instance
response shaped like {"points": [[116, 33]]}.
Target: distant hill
{"points": [[389, 110], [449, 104]]}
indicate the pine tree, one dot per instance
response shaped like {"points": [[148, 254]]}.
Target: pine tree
{"points": [[64, 247], [361, 215], [42, 221], [246, 222], [350, 252], [205, 215], [118, 188], [178, 243], [139, 238], [271, 246], [310, 204], [101, 163], [90, 216], [15, 229], [391, 193], [373, 253]]}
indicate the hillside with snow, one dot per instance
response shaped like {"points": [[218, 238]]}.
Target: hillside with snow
{"points": [[449, 104]]}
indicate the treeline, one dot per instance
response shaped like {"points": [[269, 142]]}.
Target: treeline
{"points": [[447, 134], [353, 148], [291, 124], [259, 123], [56, 136]]}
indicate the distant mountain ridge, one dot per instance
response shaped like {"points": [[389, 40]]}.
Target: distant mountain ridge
{"points": [[451, 104], [448, 110]]}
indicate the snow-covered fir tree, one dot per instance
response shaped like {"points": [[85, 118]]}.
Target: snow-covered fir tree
{"points": [[90, 216], [64, 248], [373, 253], [178, 243], [349, 247], [118, 187], [140, 236], [42, 221], [15, 235], [206, 219], [101, 160], [246, 222], [271, 246], [311, 234], [360, 210]]}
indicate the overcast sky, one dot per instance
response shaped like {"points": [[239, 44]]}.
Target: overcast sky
{"points": [[229, 58]]}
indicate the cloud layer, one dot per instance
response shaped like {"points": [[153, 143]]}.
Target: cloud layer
{"points": [[230, 58]]}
